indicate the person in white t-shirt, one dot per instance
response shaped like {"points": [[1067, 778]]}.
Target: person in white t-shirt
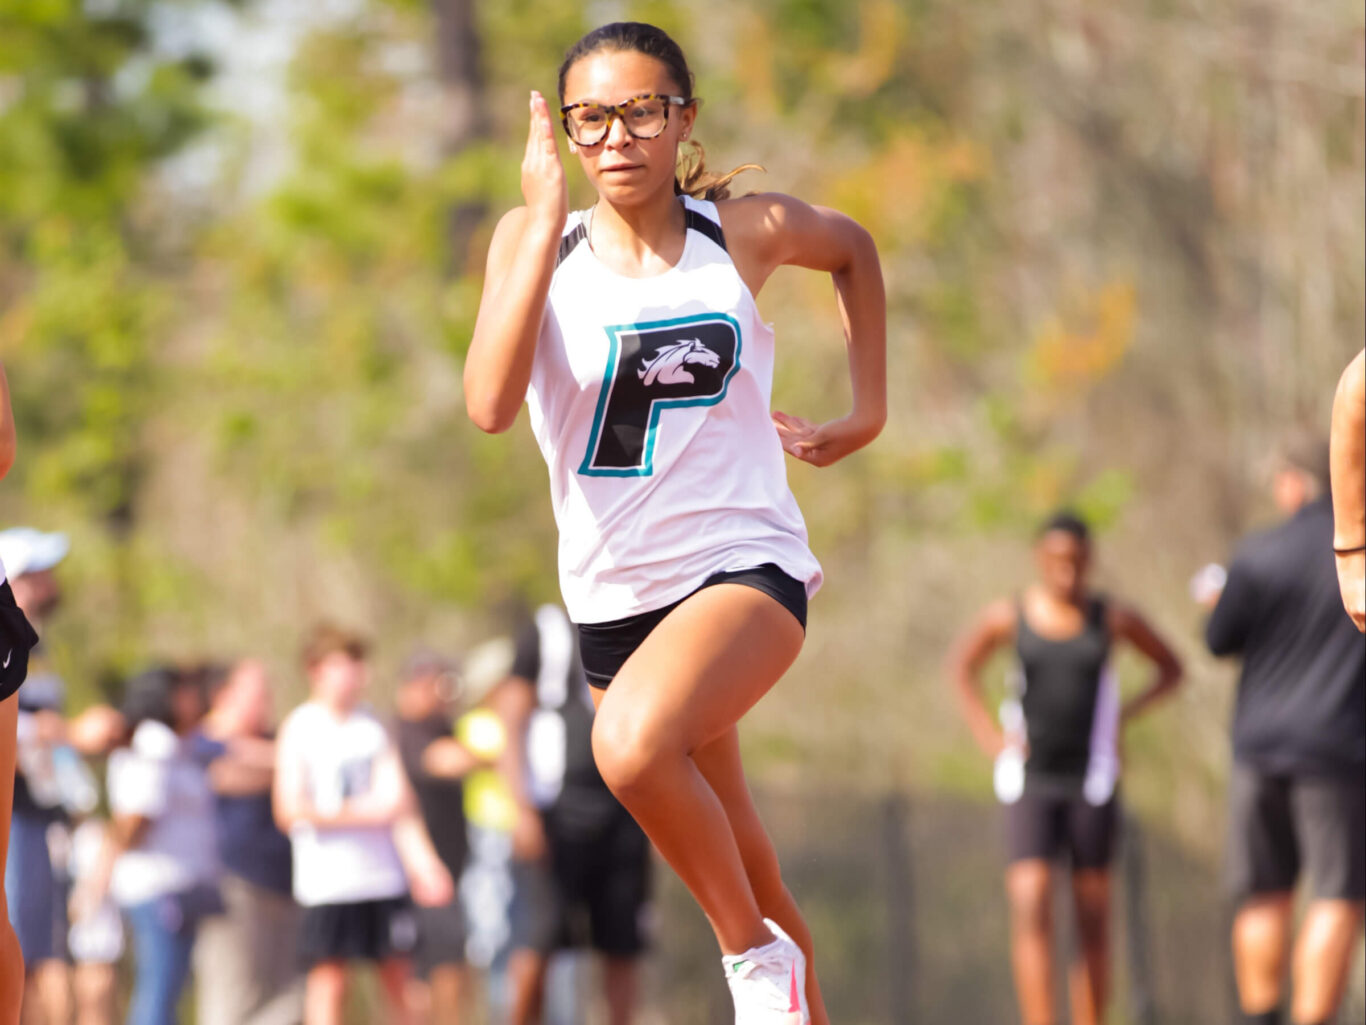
{"points": [[632, 333], [159, 860], [359, 844]]}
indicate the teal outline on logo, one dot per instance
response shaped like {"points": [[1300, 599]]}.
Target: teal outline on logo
{"points": [[609, 378]]}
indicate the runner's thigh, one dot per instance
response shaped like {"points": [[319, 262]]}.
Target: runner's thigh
{"points": [[703, 667]]}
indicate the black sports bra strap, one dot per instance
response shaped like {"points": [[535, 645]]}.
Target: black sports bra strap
{"points": [[701, 223], [569, 241]]}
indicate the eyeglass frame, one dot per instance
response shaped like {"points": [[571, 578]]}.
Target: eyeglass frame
{"points": [[617, 110]]}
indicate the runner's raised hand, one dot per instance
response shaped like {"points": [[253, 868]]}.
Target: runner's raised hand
{"points": [[543, 182]]}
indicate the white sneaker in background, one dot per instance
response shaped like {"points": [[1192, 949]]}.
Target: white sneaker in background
{"points": [[768, 983]]}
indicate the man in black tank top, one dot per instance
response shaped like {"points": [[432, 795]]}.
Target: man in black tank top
{"points": [[1298, 787], [1056, 752]]}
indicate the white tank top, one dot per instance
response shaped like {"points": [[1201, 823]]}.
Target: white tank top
{"points": [[650, 399]]}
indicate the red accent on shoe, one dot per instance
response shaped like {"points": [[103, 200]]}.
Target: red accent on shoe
{"points": [[796, 993]]}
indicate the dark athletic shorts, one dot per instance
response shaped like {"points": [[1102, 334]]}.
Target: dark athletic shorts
{"points": [[1051, 825], [594, 892], [441, 937], [1279, 824], [17, 639], [605, 647], [369, 930]]}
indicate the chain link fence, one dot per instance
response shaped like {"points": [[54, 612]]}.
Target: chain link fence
{"points": [[905, 897]]}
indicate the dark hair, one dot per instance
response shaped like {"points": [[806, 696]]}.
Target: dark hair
{"points": [[1307, 452], [329, 639], [637, 37], [1068, 522], [148, 695]]}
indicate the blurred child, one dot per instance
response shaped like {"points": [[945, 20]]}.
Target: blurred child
{"points": [[358, 841]]}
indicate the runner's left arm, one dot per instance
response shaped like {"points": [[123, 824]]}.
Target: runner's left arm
{"points": [[1128, 625], [772, 231]]}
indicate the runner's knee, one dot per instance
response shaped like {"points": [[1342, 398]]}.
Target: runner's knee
{"points": [[628, 750]]}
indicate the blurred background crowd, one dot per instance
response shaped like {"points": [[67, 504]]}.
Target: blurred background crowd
{"points": [[240, 250]]}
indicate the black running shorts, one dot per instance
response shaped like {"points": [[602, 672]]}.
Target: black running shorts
{"points": [[1279, 824], [441, 937], [370, 930], [1049, 826], [17, 639], [605, 647], [602, 881]]}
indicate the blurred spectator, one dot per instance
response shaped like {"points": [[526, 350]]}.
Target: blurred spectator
{"points": [[584, 863], [342, 796], [246, 959], [95, 941], [1298, 789], [49, 775], [1349, 487], [161, 859], [1058, 755], [436, 764]]}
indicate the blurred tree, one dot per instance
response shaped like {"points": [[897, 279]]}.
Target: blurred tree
{"points": [[89, 110]]}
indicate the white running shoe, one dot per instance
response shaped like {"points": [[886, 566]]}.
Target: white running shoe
{"points": [[768, 983]]}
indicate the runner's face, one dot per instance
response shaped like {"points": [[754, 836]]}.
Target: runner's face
{"points": [[1063, 560], [626, 170]]}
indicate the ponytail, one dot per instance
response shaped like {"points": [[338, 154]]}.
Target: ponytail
{"points": [[695, 180]]}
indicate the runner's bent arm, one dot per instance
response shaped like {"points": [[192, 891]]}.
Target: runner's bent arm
{"points": [[770, 231], [1348, 455], [521, 262], [993, 629], [1127, 624]]}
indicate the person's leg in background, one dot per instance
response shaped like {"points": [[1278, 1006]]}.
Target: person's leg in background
{"points": [[395, 974], [29, 894], [1092, 834], [162, 945], [446, 983], [537, 920], [1263, 865], [1330, 820], [1090, 974], [325, 993], [1029, 891], [1261, 949], [224, 961], [440, 962], [621, 988], [11, 957], [94, 986], [274, 931], [50, 982], [1323, 957]]}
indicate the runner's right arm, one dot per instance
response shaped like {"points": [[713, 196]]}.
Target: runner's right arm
{"points": [[521, 262], [1348, 454], [993, 629]]}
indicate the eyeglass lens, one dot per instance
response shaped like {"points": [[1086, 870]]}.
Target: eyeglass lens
{"points": [[644, 119]]}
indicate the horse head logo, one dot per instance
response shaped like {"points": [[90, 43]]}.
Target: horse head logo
{"points": [[670, 364]]}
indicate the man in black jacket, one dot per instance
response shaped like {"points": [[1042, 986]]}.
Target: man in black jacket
{"points": [[1298, 789]]}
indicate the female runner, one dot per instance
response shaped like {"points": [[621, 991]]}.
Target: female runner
{"points": [[15, 632], [631, 331], [1057, 762]]}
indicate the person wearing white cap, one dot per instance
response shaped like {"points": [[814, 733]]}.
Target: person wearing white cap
{"points": [[45, 755]]}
